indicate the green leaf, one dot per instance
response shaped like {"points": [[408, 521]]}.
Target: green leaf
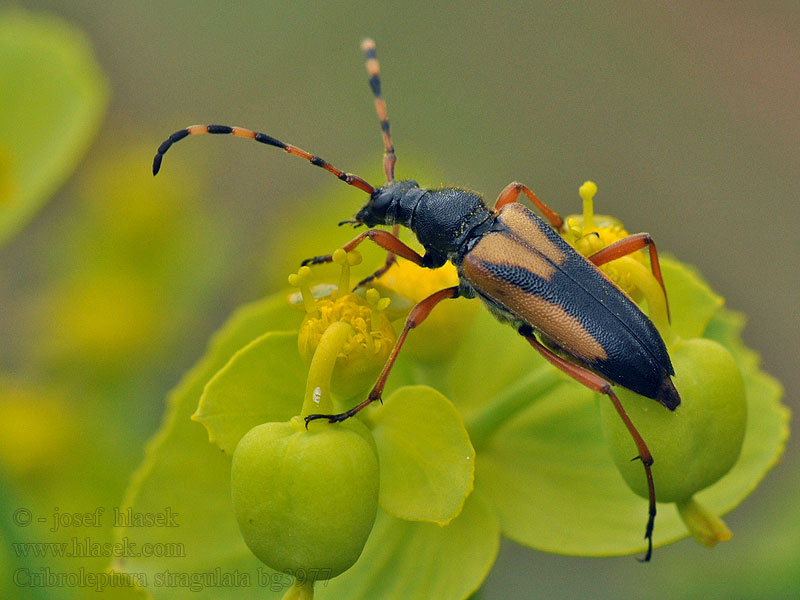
{"points": [[410, 560], [182, 471], [726, 328], [51, 108], [427, 461], [262, 382]]}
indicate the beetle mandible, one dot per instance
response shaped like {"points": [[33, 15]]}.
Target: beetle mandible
{"points": [[518, 265]]}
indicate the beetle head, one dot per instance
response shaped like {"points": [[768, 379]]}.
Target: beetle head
{"points": [[385, 204]]}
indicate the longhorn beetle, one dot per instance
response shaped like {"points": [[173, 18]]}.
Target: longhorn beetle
{"points": [[521, 268]]}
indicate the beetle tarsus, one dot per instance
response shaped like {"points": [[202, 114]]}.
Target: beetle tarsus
{"points": [[390, 260], [317, 260], [648, 535], [331, 418], [649, 554]]}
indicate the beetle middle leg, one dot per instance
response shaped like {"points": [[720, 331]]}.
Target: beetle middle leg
{"points": [[629, 245], [417, 315], [510, 194], [600, 385]]}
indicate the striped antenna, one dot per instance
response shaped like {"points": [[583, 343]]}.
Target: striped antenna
{"points": [[374, 70], [348, 178]]}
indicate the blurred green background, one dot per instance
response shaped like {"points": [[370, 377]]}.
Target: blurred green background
{"points": [[685, 114]]}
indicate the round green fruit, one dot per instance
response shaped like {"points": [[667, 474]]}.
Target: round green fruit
{"points": [[306, 500], [696, 444]]}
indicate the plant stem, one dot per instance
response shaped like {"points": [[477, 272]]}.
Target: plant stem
{"points": [[515, 398]]}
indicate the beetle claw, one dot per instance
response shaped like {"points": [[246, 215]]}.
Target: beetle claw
{"points": [[338, 418]]}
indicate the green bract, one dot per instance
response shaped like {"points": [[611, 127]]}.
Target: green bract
{"points": [[305, 499], [427, 460]]}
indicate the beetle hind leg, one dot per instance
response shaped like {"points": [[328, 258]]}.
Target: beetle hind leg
{"points": [[629, 245], [600, 385], [511, 193]]}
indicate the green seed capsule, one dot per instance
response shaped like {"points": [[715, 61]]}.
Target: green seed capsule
{"points": [[306, 500], [697, 443]]}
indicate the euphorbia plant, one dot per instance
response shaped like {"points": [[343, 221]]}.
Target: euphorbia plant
{"points": [[540, 472]]}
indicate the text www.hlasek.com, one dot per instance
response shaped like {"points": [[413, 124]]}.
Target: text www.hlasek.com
{"points": [[87, 548]]}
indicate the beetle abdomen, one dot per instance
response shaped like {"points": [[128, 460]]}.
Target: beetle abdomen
{"points": [[530, 276]]}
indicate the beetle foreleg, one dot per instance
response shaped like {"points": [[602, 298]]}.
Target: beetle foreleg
{"points": [[391, 258], [384, 239], [511, 194], [600, 385], [629, 245], [417, 315]]}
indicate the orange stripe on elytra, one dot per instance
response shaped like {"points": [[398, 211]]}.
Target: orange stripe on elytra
{"points": [[503, 249], [547, 317], [522, 225]]}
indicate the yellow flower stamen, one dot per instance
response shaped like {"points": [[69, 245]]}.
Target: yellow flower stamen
{"points": [[345, 260], [370, 336], [300, 280], [589, 233], [587, 192]]}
